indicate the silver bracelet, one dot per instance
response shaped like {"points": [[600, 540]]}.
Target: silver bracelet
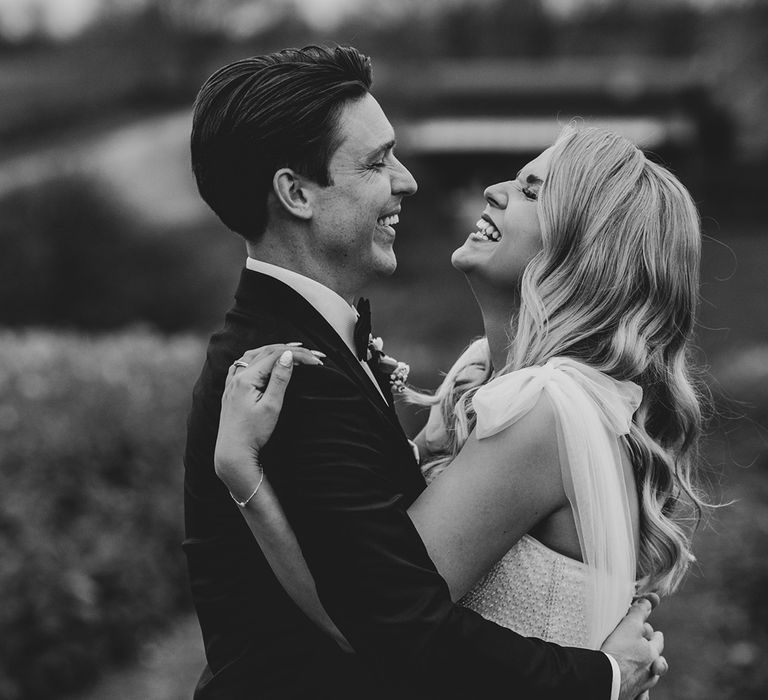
{"points": [[244, 503]]}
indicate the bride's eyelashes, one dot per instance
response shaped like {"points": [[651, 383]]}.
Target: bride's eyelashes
{"points": [[526, 190]]}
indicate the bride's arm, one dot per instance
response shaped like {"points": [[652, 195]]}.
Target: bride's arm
{"points": [[470, 370], [270, 527], [493, 492], [432, 438], [248, 417]]}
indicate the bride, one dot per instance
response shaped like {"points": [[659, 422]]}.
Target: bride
{"points": [[560, 447]]}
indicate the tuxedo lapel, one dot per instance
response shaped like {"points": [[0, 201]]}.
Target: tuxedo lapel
{"points": [[260, 295], [383, 381]]}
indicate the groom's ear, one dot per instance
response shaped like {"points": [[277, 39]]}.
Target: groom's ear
{"points": [[292, 193]]}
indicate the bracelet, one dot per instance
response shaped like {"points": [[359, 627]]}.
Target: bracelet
{"points": [[244, 503]]}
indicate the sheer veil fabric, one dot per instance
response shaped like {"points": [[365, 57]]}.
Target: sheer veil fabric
{"points": [[592, 412]]}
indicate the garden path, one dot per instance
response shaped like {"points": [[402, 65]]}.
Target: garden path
{"points": [[145, 162], [167, 669]]}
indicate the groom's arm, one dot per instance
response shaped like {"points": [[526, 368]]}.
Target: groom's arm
{"points": [[372, 570]]}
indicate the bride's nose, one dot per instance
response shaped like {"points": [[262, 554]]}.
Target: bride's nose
{"points": [[496, 195]]}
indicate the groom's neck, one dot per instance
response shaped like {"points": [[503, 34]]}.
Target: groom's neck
{"points": [[300, 261]]}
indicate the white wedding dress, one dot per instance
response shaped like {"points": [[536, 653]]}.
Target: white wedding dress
{"points": [[534, 590]]}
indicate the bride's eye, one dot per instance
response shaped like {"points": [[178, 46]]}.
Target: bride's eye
{"points": [[531, 194]]}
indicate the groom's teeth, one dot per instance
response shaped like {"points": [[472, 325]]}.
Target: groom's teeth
{"points": [[388, 220]]}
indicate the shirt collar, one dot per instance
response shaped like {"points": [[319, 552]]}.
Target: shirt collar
{"points": [[332, 307]]}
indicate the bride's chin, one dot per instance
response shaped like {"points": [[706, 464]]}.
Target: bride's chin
{"points": [[461, 259], [488, 284]]}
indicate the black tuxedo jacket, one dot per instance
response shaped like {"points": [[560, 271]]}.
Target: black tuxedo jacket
{"points": [[345, 475]]}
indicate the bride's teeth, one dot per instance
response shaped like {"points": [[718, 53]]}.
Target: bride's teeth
{"points": [[486, 233], [488, 230]]}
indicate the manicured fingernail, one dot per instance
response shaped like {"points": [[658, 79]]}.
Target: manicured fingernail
{"points": [[286, 359], [317, 353], [295, 344]]}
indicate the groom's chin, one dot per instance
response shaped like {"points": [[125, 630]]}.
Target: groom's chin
{"points": [[386, 263]]}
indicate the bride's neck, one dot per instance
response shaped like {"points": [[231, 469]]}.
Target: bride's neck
{"points": [[497, 318]]}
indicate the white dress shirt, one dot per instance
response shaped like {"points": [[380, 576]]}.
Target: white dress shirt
{"points": [[616, 681], [332, 307], [342, 318]]}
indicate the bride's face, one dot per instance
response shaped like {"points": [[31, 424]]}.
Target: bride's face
{"points": [[508, 233]]}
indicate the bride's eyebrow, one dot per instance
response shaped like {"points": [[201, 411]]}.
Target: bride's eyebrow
{"points": [[531, 179]]}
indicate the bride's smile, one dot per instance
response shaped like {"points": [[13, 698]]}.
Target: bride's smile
{"points": [[486, 230], [508, 233]]}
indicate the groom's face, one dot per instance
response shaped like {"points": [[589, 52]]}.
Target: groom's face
{"points": [[355, 216]]}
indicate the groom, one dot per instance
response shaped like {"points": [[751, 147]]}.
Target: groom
{"points": [[295, 155]]}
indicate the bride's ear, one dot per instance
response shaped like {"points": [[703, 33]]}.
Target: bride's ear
{"points": [[292, 193]]}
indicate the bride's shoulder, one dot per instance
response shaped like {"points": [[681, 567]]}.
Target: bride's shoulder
{"points": [[572, 386], [510, 397], [527, 418], [522, 442]]}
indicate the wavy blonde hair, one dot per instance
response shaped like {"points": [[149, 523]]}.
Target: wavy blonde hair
{"points": [[614, 286]]}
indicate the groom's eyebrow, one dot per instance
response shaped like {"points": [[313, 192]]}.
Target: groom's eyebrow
{"points": [[382, 149]]}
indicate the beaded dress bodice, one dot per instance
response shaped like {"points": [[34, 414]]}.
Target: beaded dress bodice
{"points": [[537, 592]]}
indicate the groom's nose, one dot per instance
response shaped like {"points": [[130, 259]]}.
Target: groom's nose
{"points": [[403, 183]]}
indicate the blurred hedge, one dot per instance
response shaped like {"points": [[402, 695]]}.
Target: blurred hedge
{"points": [[74, 257], [91, 436]]}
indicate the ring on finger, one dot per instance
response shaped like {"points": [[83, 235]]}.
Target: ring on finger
{"points": [[239, 363]]}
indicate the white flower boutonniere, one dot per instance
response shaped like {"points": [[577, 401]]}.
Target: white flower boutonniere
{"points": [[396, 371]]}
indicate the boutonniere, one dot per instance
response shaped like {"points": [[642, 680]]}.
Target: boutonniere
{"points": [[396, 371]]}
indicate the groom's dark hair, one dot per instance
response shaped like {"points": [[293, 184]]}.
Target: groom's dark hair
{"points": [[263, 113]]}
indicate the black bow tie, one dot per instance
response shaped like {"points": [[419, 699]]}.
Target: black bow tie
{"points": [[362, 329]]}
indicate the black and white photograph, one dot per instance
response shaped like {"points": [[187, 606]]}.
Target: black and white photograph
{"points": [[383, 349]]}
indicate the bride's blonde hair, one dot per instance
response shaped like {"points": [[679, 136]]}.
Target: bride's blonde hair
{"points": [[614, 286]]}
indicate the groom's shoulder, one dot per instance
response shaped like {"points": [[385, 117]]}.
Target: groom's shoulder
{"points": [[246, 331], [253, 324]]}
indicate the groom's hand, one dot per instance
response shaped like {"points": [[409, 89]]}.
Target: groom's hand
{"points": [[637, 649]]}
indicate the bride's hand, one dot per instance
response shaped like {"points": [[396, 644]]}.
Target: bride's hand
{"points": [[250, 406], [435, 433]]}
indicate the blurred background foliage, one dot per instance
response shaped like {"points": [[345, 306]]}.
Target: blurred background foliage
{"points": [[113, 273], [89, 500]]}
